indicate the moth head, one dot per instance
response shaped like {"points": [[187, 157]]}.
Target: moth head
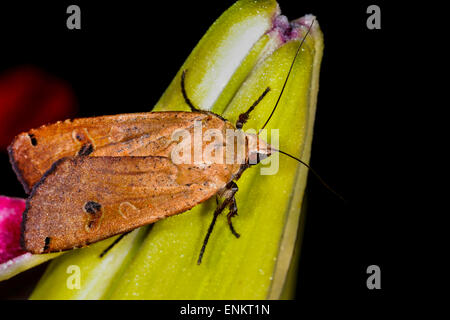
{"points": [[257, 149]]}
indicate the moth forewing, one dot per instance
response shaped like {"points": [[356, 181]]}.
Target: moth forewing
{"points": [[214, 151], [141, 134]]}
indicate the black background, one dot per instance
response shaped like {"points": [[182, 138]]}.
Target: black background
{"points": [[127, 53]]}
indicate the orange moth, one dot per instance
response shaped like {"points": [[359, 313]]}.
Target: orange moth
{"points": [[89, 179]]}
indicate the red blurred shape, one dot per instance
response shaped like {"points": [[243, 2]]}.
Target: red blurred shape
{"points": [[29, 98]]}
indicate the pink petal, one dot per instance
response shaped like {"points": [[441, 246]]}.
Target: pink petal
{"points": [[11, 210]]}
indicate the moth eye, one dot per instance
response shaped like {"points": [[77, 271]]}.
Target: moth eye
{"points": [[32, 139], [92, 207]]}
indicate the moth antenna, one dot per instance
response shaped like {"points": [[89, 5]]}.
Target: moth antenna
{"points": [[314, 173], [287, 78]]}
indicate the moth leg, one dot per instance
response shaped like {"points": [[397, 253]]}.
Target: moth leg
{"points": [[243, 117], [228, 193], [233, 212], [185, 96], [113, 244], [218, 211]]}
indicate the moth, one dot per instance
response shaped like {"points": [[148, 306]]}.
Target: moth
{"points": [[91, 178]]}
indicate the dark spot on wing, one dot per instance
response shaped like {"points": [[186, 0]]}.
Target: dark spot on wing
{"points": [[33, 139], [46, 244], [92, 207], [86, 149]]}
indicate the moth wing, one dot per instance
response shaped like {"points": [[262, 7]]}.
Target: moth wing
{"points": [[81, 200], [139, 134]]}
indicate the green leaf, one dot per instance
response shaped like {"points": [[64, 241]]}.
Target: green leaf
{"points": [[22, 263], [97, 275]]}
